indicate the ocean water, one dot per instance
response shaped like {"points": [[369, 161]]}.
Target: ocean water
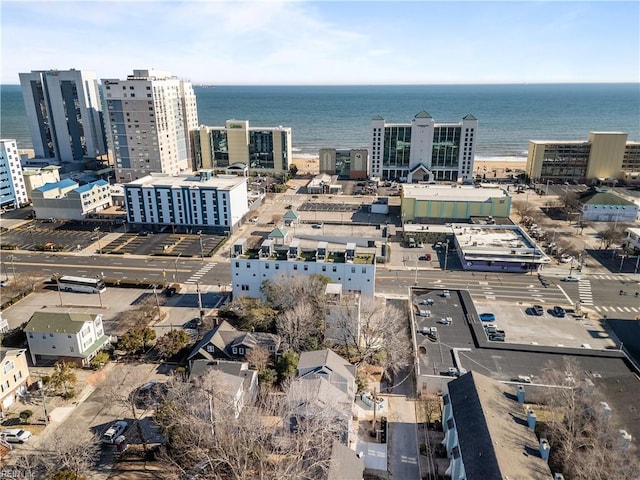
{"points": [[340, 116]]}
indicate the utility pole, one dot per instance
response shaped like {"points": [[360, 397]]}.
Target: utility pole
{"points": [[199, 301]]}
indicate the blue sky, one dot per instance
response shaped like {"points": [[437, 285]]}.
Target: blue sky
{"points": [[330, 42]]}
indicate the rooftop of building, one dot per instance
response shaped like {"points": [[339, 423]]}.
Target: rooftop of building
{"points": [[603, 197], [58, 322], [509, 242], [206, 179], [282, 254], [492, 430], [452, 192], [10, 352], [65, 183]]}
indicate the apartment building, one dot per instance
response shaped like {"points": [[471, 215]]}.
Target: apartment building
{"points": [[259, 149], [68, 200], [148, 117], [64, 113], [355, 271], [206, 202], [423, 150], [604, 156], [13, 192]]}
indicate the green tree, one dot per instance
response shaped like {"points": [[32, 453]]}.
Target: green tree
{"points": [[63, 377], [293, 170], [25, 415], [99, 360], [136, 339], [172, 342], [267, 377], [287, 365]]}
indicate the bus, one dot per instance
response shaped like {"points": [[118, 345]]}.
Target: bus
{"points": [[81, 284]]}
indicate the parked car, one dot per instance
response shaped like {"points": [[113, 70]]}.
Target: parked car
{"points": [[566, 259], [150, 393], [15, 435], [558, 311], [192, 324], [496, 337], [445, 320], [114, 431], [446, 293], [317, 225], [487, 317], [425, 258], [571, 278], [537, 310]]}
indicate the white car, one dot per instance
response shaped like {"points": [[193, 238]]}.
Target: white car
{"points": [[114, 431], [571, 278], [566, 259], [15, 435]]}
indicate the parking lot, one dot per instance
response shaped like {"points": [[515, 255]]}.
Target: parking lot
{"points": [[184, 245], [70, 236], [329, 207], [62, 236]]}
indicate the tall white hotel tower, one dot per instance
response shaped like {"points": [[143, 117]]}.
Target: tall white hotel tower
{"points": [[64, 114], [148, 119]]}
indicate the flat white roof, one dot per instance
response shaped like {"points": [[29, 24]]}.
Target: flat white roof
{"points": [[452, 192], [223, 182], [507, 242]]}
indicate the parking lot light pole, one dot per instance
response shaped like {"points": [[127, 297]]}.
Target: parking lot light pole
{"points": [[200, 238], [97, 230]]}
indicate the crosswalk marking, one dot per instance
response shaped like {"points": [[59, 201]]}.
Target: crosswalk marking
{"points": [[200, 273]]}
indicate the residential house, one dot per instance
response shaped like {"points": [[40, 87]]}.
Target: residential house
{"points": [[345, 463], [230, 371], [330, 366], [75, 337], [225, 342], [485, 427], [14, 378]]}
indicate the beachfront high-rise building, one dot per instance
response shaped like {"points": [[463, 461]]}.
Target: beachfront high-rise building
{"points": [[64, 114], [148, 119], [237, 146], [423, 150], [12, 190], [603, 157], [346, 164]]}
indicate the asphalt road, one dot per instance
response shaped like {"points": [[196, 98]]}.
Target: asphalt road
{"points": [[597, 291]]}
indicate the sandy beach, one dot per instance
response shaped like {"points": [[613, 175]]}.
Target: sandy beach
{"points": [[488, 166]]}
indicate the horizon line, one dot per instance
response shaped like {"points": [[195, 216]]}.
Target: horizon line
{"points": [[389, 84]]}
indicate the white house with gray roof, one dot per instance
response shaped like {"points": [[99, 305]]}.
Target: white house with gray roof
{"points": [[601, 205], [76, 337]]}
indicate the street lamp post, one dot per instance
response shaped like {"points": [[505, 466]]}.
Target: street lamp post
{"points": [[59, 290], [97, 230], [30, 229], [175, 275], [446, 254], [155, 292], [13, 266], [200, 238]]}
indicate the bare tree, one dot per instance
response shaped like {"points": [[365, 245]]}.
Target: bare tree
{"points": [[585, 442], [286, 436], [76, 452], [612, 235], [522, 208], [258, 357], [377, 333], [285, 292], [299, 327]]}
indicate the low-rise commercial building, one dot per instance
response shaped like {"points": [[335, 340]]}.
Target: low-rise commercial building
{"points": [[601, 205], [68, 200], [355, 271], [497, 248], [261, 149], [206, 202], [424, 203], [604, 156], [346, 164]]}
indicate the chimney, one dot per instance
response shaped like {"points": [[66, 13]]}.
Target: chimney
{"points": [[520, 393], [531, 419], [606, 410], [545, 449], [626, 439]]}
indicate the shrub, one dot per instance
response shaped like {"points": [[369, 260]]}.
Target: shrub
{"points": [[25, 415], [99, 360]]}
